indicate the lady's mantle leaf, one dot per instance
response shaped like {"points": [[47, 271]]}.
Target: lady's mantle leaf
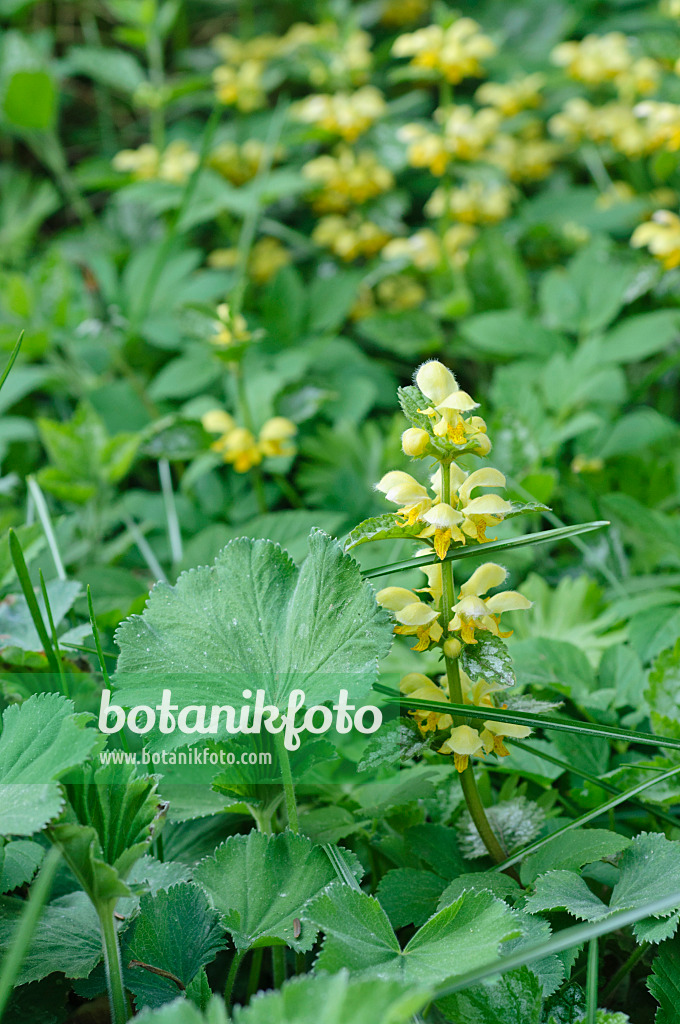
{"points": [[41, 739], [515, 998], [261, 883], [67, 938], [255, 619], [359, 936], [664, 982], [177, 932]]}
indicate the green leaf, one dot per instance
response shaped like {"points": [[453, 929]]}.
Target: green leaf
{"points": [[663, 692], [108, 824], [16, 622], [67, 939], [41, 740], [638, 337], [176, 931], [510, 334], [385, 527], [335, 999], [565, 890], [114, 68], [499, 885], [516, 998], [260, 884], [254, 616], [555, 664], [183, 1012], [396, 741], [22, 860], [412, 401], [635, 431], [571, 851], [664, 982], [409, 896], [489, 659], [410, 333], [359, 936]]}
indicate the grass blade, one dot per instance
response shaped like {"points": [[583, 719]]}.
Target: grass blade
{"points": [[568, 938], [595, 780], [591, 983], [33, 607], [55, 639], [342, 870], [174, 532], [43, 514], [25, 930], [10, 362], [485, 549], [536, 721]]}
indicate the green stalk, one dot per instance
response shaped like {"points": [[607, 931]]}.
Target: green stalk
{"points": [[254, 975], [624, 970], [279, 965], [55, 640], [10, 362], [467, 778], [28, 592], [28, 922], [288, 786], [231, 977], [591, 983], [118, 1002]]}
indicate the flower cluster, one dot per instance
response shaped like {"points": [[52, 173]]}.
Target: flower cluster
{"points": [[174, 164], [463, 741], [597, 60], [345, 114], [455, 52], [350, 237], [345, 179], [661, 235], [239, 446], [240, 163], [266, 258]]}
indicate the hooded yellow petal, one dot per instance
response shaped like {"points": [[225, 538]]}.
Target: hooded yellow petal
{"points": [[508, 601], [488, 505], [395, 598], [487, 477], [435, 381], [484, 578]]}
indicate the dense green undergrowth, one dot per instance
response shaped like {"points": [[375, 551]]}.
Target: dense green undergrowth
{"points": [[228, 235]]}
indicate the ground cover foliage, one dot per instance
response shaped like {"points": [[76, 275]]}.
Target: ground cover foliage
{"points": [[340, 344]]}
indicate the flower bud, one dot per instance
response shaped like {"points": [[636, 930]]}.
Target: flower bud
{"points": [[452, 647], [415, 442], [435, 381]]}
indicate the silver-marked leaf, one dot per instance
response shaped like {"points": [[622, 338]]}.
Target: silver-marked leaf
{"points": [[488, 659], [384, 527], [261, 883], [41, 740]]}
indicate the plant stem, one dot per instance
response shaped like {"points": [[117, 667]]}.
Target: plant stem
{"points": [[28, 922], [591, 983], [288, 787], [231, 977], [279, 965], [467, 778], [624, 970], [254, 975], [118, 1002]]}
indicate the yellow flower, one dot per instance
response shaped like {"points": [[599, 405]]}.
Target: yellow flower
{"points": [[476, 202], [661, 235], [142, 163], [463, 742], [433, 378], [413, 616], [582, 464], [275, 435], [239, 447], [418, 687], [425, 148], [224, 259], [486, 510], [229, 329], [511, 97], [348, 178], [422, 249], [493, 733], [396, 13], [456, 242], [415, 441], [523, 159], [472, 613], [595, 59], [242, 86], [350, 237], [661, 123], [446, 521], [401, 489], [346, 114], [399, 292], [216, 421], [467, 132], [267, 257], [455, 52], [239, 163]]}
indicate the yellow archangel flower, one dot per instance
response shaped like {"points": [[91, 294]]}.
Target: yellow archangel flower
{"points": [[417, 686], [448, 404], [455, 52], [661, 235], [471, 612], [463, 742], [401, 489], [275, 437], [413, 616]]}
